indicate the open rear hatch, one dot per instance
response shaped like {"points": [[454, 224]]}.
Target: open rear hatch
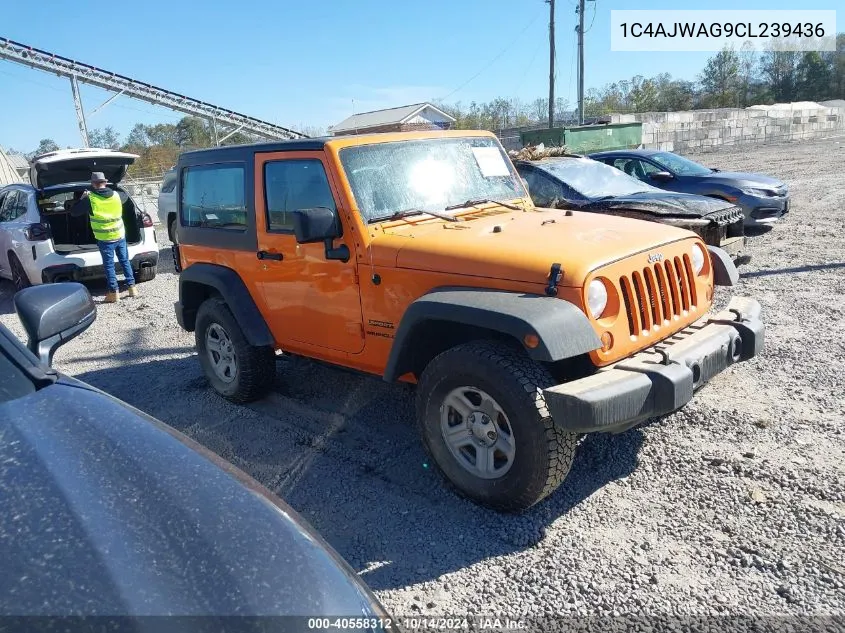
{"points": [[60, 175], [75, 166], [73, 234]]}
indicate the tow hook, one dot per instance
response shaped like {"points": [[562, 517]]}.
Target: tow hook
{"points": [[664, 354]]}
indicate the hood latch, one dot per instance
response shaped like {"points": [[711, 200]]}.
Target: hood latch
{"points": [[555, 275]]}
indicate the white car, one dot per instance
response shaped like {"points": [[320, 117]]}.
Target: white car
{"points": [[167, 203], [40, 242]]}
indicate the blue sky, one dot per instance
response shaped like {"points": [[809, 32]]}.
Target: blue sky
{"points": [[303, 63]]}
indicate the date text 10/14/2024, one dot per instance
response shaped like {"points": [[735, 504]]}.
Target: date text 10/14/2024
{"points": [[417, 623]]}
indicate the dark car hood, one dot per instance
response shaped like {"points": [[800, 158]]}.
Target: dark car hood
{"points": [[742, 179], [106, 511], [661, 203]]}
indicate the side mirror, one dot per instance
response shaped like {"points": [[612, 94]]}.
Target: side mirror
{"points": [[320, 224], [315, 225], [53, 314], [661, 176]]}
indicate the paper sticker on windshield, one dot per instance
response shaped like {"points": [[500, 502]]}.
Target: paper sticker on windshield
{"points": [[490, 162]]}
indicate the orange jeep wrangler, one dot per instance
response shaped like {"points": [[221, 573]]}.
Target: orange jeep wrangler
{"points": [[419, 257]]}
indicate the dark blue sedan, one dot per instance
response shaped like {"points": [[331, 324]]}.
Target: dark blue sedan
{"points": [[762, 199]]}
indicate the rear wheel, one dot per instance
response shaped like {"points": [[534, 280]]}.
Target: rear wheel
{"points": [[238, 371], [19, 276], [484, 422]]}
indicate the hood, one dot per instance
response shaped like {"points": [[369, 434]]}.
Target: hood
{"points": [[521, 246], [75, 165], [742, 179], [661, 203], [107, 511]]}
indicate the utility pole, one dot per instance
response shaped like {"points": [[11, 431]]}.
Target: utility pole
{"points": [[580, 30], [551, 63]]}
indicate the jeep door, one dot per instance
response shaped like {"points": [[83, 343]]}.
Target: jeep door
{"points": [[311, 302]]}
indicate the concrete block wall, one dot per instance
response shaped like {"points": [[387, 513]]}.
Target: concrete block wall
{"points": [[707, 129]]}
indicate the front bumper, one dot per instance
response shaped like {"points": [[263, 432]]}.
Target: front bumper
{"points": [[662, 378], [74, 272], [760, 211]]}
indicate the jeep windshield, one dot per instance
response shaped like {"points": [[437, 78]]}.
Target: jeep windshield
{"points": [[428, 175]]}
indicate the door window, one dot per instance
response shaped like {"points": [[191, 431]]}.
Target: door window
{"points": [[290, 185], [543, 190], [636, 168]]}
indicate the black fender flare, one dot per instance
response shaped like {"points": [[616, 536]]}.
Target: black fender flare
{"points": [[194, 282], [563, 330], [724, 270]]}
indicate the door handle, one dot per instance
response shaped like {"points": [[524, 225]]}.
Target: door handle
{"points": [[268, 255]]}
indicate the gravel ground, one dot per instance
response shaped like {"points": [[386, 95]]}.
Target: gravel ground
{"points": [[734, 505]]}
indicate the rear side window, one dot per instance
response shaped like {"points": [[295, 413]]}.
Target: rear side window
{"points": [[213, 197], [294, 184], [13, 206]]}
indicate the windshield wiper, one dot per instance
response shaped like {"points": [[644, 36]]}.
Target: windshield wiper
{"points": [[398, 215], [472, 203]]}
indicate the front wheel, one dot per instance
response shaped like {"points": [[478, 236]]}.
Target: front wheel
{"points": [[484, 422], [238, 371]]}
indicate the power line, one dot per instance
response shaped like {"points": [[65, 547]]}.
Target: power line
{"points": [[529, 66], [492, 61]]}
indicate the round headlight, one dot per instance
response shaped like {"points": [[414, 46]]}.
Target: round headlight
{"points": [[697, 259], [596, 298]]}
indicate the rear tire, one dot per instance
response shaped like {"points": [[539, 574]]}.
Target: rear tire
{"points": [[19, 276], [504, 416], [147, 273], [238, 371]]}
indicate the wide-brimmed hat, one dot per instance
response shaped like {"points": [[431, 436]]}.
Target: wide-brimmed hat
{"points": [[98, 176]]}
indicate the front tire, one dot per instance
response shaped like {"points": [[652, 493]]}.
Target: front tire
{"points": [[238, 371], [484, 422]]}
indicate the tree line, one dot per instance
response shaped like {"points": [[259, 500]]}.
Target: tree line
{"points": [[729, 79], [158, 145]]}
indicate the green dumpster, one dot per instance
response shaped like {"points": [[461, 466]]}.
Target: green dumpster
{"points": [[585, 139]]}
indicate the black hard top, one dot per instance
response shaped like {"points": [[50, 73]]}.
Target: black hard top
{"points": [[240, 152]]}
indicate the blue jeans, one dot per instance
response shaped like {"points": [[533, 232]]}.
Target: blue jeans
{"points": [[108, 251]]}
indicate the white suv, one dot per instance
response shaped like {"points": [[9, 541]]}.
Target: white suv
{"points": [[40, 242]]}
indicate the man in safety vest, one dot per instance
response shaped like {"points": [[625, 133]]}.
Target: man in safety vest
{"points": [[105, 213]]}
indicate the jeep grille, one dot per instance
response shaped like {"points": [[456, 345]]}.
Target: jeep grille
{"points": [[657, 293]]}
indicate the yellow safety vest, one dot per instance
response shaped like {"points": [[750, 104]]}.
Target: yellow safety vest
{"points": [[106, 217]]}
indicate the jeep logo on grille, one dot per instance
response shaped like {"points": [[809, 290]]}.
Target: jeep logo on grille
{"points": [[655, 257]]}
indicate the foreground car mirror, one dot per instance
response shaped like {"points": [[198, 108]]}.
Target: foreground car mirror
{"points": [[661, 176], [53, 314]]}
